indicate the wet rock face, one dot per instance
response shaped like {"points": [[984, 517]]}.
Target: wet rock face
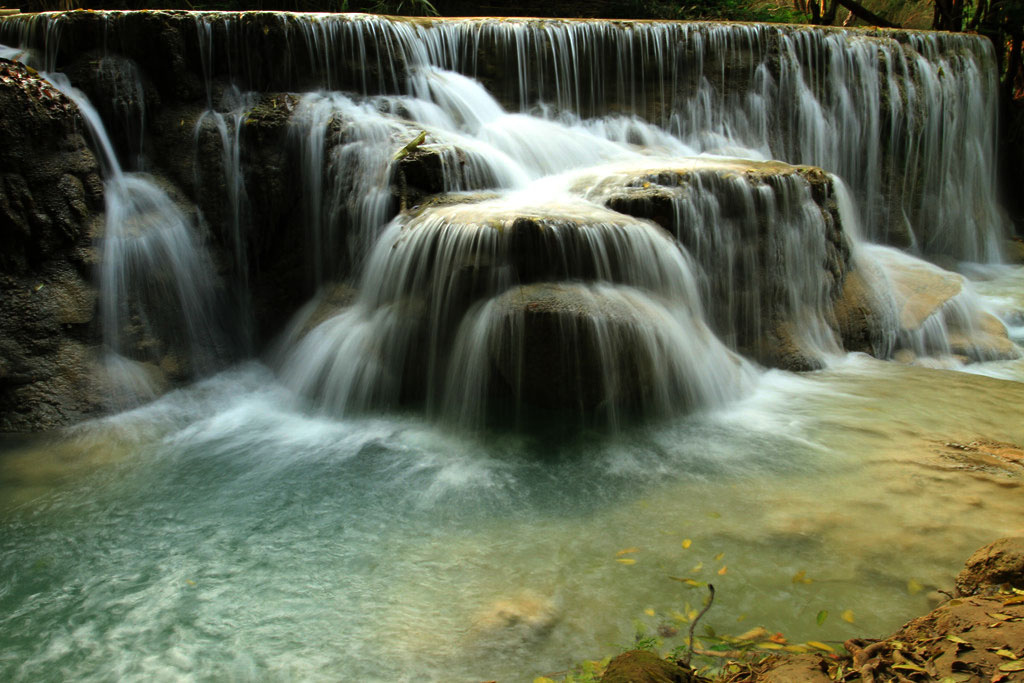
{"points": [[51, 203], [574, 351], [767, 236]]}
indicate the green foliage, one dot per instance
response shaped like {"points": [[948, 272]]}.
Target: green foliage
{"points": [[722, 10]]}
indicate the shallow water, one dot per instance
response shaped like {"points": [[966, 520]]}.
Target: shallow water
{"points": [[224, 532]]}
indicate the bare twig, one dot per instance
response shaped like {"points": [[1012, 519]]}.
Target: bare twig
{"points": [[693, 624]]}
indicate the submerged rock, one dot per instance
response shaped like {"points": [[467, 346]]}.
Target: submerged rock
{"points": [[512, 621]]}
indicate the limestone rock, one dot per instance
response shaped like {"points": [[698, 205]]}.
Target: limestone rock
{"points": [[560, 360], [51, 199], [985, 341], [524, 617], [767, 235], [921, 289], [997, 563]]}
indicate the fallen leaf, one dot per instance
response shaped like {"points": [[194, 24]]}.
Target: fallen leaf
{"points": [[626, 551], [1006, 654], [847, 616], [757, 633], [769, 645], [687, 543], [801, 577], [778, 638], [693, 583], [719, 556], [818, 645], [913, 587], [626, 560], [822, 616], [1012, 666], [722, 571], [697, 567], [999, 615], [649, 612]]}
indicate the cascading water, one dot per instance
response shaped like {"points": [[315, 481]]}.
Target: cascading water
{"points": [[590, 235], [157, 291]]}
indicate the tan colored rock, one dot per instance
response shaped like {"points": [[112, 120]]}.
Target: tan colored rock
{"points": [[998, 563], [987, 341], [921, 289]]}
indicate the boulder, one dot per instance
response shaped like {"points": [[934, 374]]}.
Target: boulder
{"points": [[998, 563], [607, 352], [767, 235], [565, 347]]}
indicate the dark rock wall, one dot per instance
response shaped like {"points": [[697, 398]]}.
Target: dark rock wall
{"points": [[51, 203]]}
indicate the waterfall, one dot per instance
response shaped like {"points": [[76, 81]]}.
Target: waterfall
{"points": [[157, 289], [600, 218]]}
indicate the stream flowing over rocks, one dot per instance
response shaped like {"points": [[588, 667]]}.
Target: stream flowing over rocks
{"points": [[254, 161], [486, 321]]}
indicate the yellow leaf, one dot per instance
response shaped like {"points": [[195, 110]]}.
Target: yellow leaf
{"points": [[847, 616], [768, 645], [913, 587], [697, 567], [719, 556], [999, 615], [1012, 666], [757, 633], [691, 615], [649, 612], [798, 649], [626, 560], [543, 679], [801, 577], [687, 543], [722, 571], [678, 616], [818, 645], [691, 582], [1006, 654], [626, 551]]}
